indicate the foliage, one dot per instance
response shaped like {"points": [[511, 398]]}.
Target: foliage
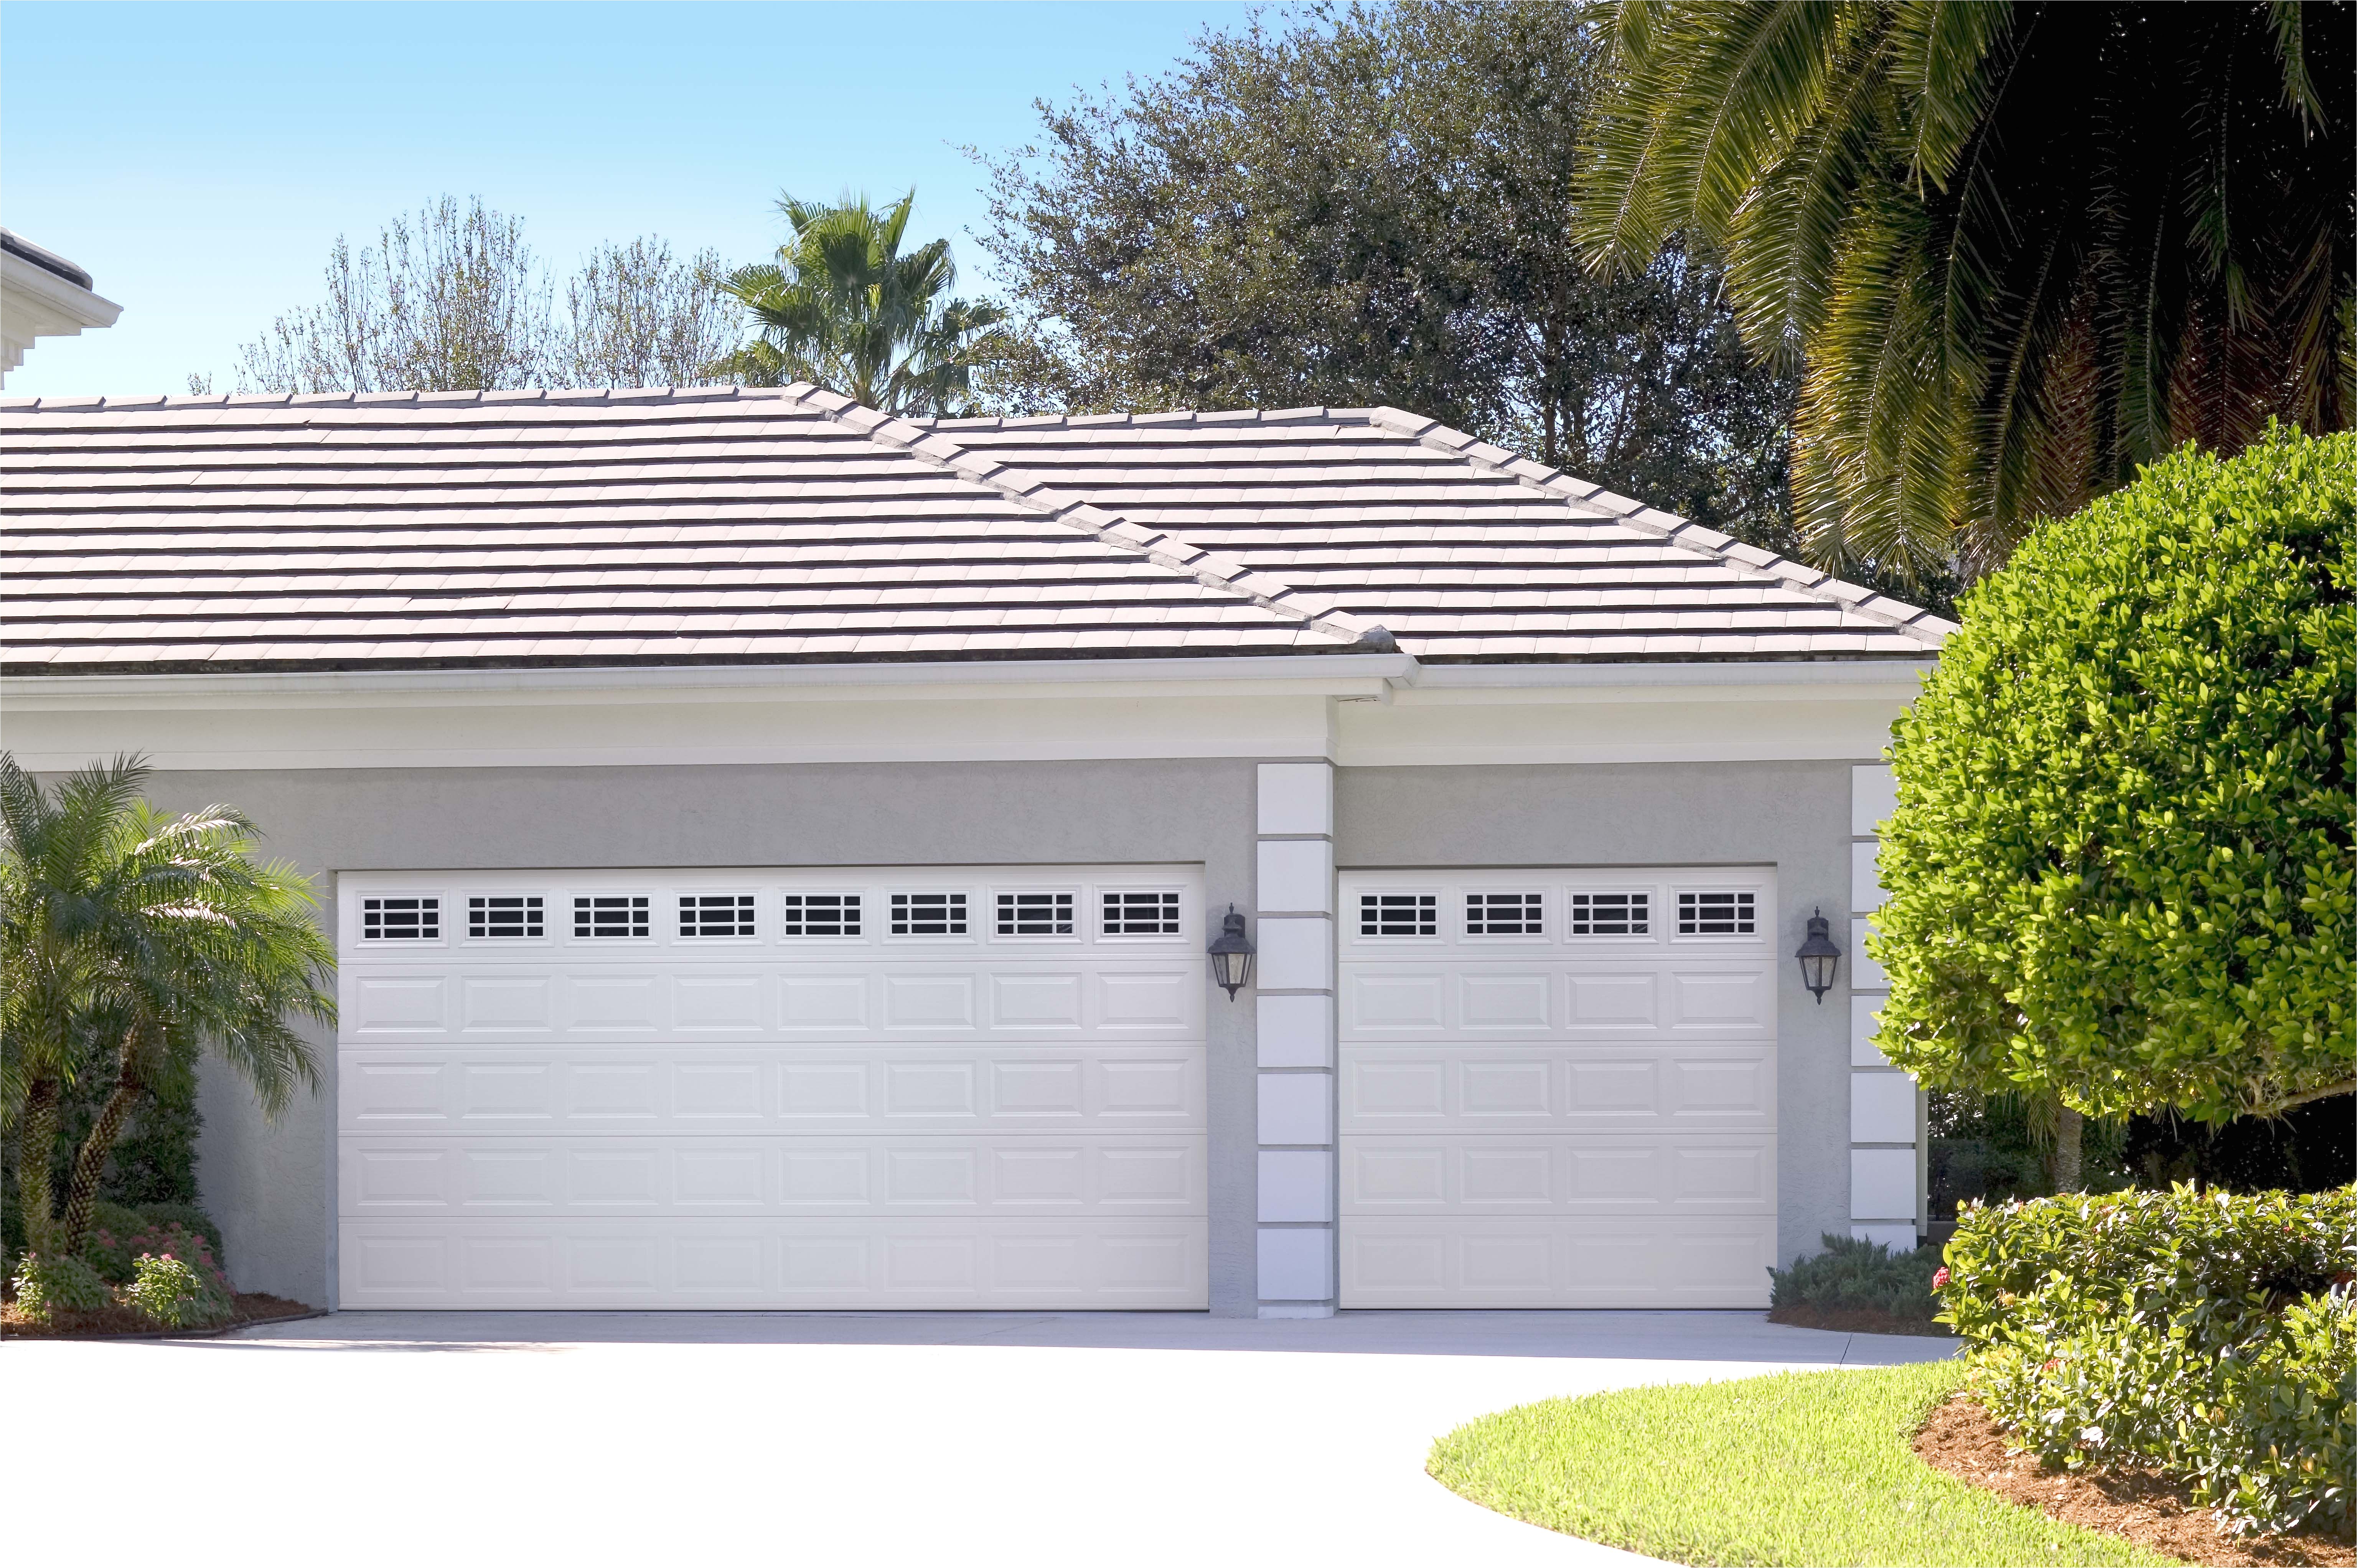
{"points": [[2210, 1334], [1849, 1274], [2021, 247], [1366, 206], [842, 308], [1792, 1468], [115, 1254], [1997, 1146], [186, 1217], [2309, 1148], [455, 301], [150, 938], [46, 1285], [2120, 868], [177, 1293]]}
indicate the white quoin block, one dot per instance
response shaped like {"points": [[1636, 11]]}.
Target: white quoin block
{"points": [[1296, 955], [1863, 1051], [1297, 1184], [1297, 1107], [1882, 1110], [1882, 1183], [1865, 974], [1873, 796], [1866, 890], [1296, 798], [1296, 1265], [1295, 1031], [1297, 874]]}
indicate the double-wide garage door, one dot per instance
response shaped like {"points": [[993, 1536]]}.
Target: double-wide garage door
{"points": [[891, 1088], [1558, 1089]]}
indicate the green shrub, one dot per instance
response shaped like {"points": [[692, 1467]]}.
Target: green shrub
{"points": [[2210, 1334], [45, 1286], [116, 1257], [2120, 868], [176, 1294], [1853, 1274], [188, 1217]]}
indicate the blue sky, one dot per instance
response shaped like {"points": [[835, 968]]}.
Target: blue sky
{"points": [[200, 160]]}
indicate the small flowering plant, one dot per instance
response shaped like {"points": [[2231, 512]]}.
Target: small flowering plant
{"points": [[116, 1255], [175, 1293]]}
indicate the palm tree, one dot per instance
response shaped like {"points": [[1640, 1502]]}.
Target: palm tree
{"points": [[147, 938], [2019, 247], [842, 308]]}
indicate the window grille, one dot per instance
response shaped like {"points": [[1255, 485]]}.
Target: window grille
{"points": [[504, 915], [825, 915], [1399, 914], [928, 914], [1506, 914], [1035, 914], [1611, 914], [1129, 913], [399, 920], [716, 914], [610, 914], [1728, 914]]}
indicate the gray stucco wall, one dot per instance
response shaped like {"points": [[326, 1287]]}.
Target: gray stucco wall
{"points": [[272, 1189], [1792, 815]]}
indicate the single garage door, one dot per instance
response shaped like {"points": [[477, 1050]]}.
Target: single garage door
{"points": [[1558, 1087], [891, 1088]]}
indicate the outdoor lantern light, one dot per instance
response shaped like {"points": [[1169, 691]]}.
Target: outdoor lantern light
{"points": [[1231, 955], [1819, 958]]}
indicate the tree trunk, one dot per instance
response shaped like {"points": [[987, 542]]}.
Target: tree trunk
{"points": [[37, 1145], [2068, 1125], [90, 1161]]}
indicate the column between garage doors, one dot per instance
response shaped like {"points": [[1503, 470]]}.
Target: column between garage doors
{"points": [[1294, 1024]]}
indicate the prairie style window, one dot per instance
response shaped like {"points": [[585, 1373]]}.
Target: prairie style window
{"points": [[928, 914], [504, 915], [1133, 914], [401, 919], [1715, 914], [822, 915], [1611, 914], [610, 914], [1506, 914], [716, 914], [1035, 914], [1399, 914]]}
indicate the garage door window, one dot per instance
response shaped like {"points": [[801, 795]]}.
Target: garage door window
{"points": [[1399, 914], [1035, 914], [823, 914], [928, 914], [617, 915], [1131, 913], [1611, 914], [401, 919], [505, 915], [1729, 913], [716, 914], [1506, 914]]}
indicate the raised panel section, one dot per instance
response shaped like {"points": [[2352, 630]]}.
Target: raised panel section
{"points": [[1540, 1261]]}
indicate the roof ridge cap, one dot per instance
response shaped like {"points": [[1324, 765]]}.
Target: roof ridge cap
{"points": [[616, 397], [1171, 551], [1684, 533]]}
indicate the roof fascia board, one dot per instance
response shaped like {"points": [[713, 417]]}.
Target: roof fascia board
{"points": [[1334, 674], [1767, 672]]}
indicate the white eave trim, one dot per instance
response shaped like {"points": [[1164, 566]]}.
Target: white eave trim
{"points": [[1331, 674], [1698, 673]]}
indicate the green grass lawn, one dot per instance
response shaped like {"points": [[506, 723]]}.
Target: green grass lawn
{"points": [[1799, 1467]]}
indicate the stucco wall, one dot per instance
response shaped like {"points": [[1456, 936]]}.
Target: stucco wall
{"points": [[272, 1189], [1792, 815]]}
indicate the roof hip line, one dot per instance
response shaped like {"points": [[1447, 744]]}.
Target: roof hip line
{"points": [[1164, 548]]}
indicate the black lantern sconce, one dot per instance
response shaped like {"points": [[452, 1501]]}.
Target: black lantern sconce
{"points": [[1231, 955], [1819, 958]]}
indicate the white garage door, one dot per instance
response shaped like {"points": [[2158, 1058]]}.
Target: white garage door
{"points": [[1558, 1087], [914, 1088]]}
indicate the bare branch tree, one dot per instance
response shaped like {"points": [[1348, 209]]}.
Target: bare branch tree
{"points": [[637, 318]]}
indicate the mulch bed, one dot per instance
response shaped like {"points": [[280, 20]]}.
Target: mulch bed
{"points": [[1857, 1320], [2152, 1510], [122, 1323]]}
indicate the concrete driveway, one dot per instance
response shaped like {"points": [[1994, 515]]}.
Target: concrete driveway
{"points": [[522, 1438]]}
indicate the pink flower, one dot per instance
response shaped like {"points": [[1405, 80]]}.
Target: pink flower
{"points": [[1940, 1280]]}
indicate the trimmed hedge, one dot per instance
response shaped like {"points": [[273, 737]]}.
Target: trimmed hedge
{"points": [[2211, 1333]]}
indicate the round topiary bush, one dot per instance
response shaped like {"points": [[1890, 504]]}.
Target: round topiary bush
{"points": [[2120, 868]]}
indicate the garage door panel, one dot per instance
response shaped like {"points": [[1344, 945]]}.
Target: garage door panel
{"points": [[788, 1263], [1462, 1088], [1505, 1262], [814, 1088], [811, 1176], [1441, 1173]]}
